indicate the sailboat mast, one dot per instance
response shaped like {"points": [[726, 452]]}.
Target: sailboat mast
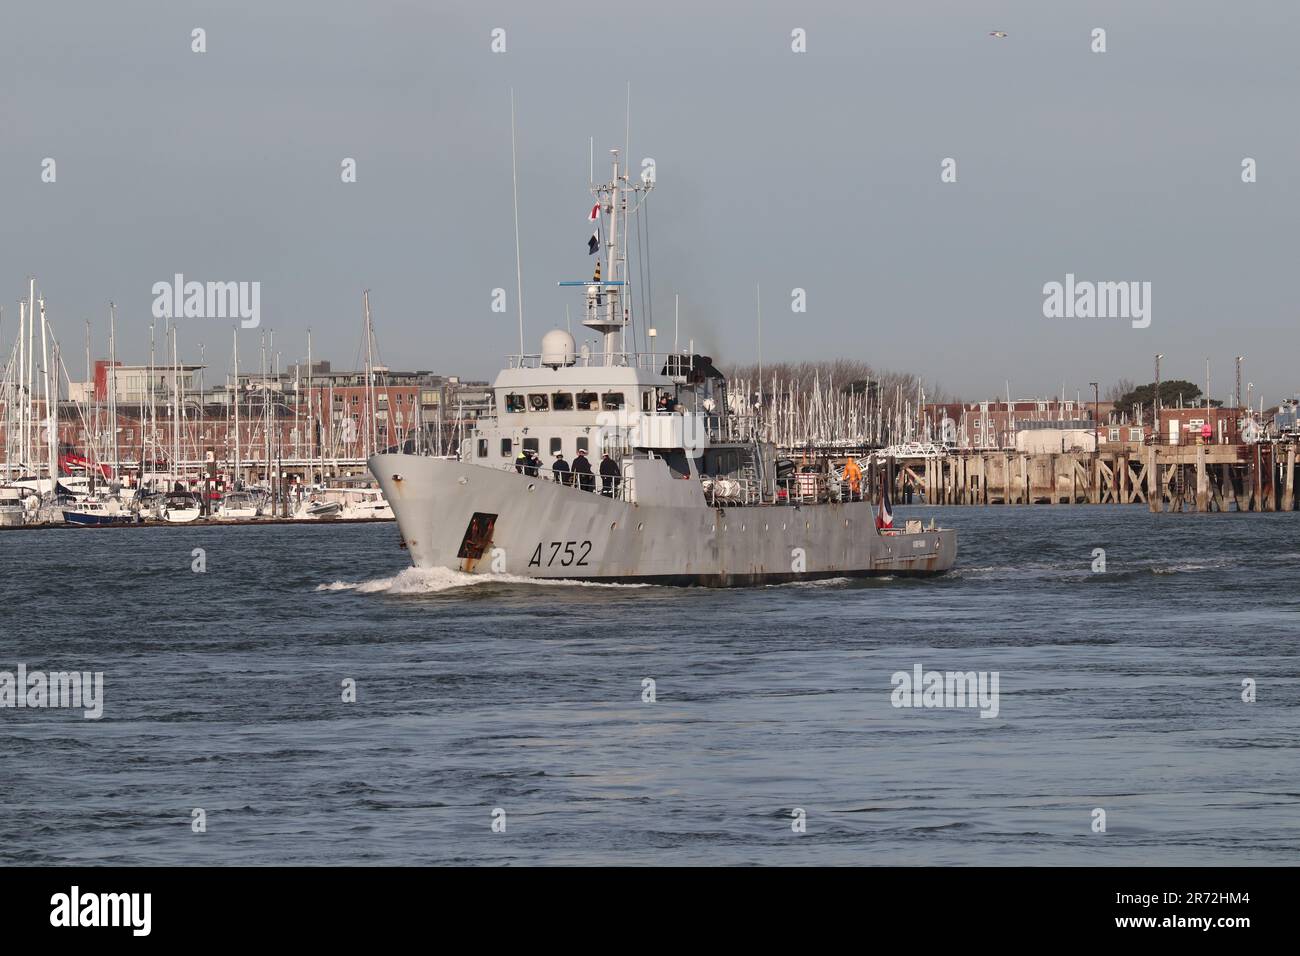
{"points": [[51, 450], [21, 384], [311, 447], [112, 383], [235, 335], [31, 376], [95, 422], [371, 437], [153, 417], [176, 407]]}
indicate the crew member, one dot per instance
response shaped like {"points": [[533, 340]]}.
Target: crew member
{"points": [[521, 461], [853, 475], [582, 471], [610, 476], [560, 469]]}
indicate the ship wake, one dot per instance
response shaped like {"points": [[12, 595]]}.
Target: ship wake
{"points": [[435, 580]]}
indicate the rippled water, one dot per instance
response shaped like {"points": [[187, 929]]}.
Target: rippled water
{"points": [[1119, 690]]}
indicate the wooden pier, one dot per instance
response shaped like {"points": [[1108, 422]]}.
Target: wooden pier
{"points": [[1175, 478]]}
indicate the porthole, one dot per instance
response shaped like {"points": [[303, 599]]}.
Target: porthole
{"points": [[846, 522], [640, 526], [613, 525], [764, 525], [532, 487], [807, 525]]}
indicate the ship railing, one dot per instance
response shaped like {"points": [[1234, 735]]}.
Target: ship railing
{"points": [[623, 488], [654, 361]]}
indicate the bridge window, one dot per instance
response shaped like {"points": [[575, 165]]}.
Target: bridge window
{"points": [[538, 402], [482, 447], [507, 446], [588, 402], [514, 403], [581, 444], [557, 444], [530, 444], [612, 401], [562, 401]]}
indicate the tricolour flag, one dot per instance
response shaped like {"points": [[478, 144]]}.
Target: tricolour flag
{"points": [[884, 514], [593, 244]]}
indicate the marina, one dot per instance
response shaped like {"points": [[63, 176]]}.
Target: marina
{"points": [[294, 444]]}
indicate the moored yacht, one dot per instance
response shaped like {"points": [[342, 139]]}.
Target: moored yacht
{"points": [[97, 512], [13, 510], [180, 507]]}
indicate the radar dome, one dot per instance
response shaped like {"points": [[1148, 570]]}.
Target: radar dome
{"points": [[557, 348]]}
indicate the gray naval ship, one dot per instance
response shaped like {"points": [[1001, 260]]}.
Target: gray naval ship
{"points": [[682, 490]]}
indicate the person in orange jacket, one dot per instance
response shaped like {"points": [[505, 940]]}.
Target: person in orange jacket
{"points": [[853, 475]]}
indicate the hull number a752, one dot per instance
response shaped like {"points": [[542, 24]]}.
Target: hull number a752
{"points": [[564, 553]]}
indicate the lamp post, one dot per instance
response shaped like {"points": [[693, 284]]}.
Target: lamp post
{"points": [[1096, 423], [1155, 405]]}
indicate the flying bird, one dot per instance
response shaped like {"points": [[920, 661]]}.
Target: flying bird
{"points": [[999, 34]]}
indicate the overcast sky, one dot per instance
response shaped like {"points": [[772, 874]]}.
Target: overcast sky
{"points": [[818, 170]]}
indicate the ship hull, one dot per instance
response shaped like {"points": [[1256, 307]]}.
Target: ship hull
{"points": [[477, 520]]}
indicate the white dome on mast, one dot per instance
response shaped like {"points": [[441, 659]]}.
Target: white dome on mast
{"points": [[557, 348]]}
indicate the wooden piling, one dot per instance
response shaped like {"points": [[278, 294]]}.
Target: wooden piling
{"points": [[1288, 492], [1155, 488], [1202, 482]]}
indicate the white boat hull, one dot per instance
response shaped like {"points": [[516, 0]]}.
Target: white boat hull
{"points": [[532, 527]]}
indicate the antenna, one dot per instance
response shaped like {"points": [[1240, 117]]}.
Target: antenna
{"points": [[514, 174], [758, 304]]}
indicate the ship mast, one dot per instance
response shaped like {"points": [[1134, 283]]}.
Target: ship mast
{"points": [[611, 322], [606, 307]]}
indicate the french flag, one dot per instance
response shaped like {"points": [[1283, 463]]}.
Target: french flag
{"points": [[885, 514], [593, 244]]}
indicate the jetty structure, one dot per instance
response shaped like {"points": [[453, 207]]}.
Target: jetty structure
{"points": [[1193, 457], [628, 465]]}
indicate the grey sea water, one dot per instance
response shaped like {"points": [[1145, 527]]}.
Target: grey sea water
{"points": [[1119, 690]]}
